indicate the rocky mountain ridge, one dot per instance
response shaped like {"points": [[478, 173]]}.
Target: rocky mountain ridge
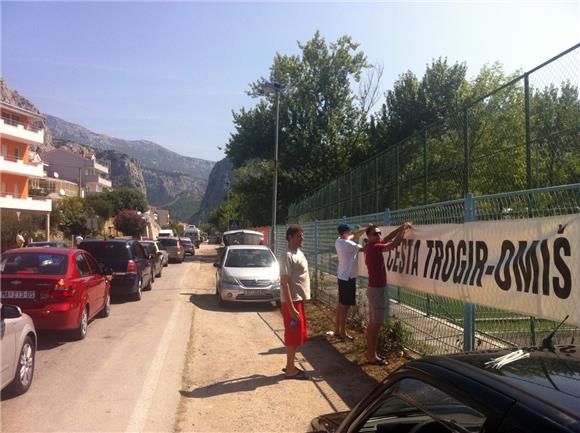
{"points": [[216, 190]]}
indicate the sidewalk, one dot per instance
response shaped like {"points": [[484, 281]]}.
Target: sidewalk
{"points": [[233, 380]]}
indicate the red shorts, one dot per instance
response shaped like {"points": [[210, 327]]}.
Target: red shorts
{"points": [[297, 335]]}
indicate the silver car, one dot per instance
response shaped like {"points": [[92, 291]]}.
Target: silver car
{"points": [[247, 273], [18, 349]]}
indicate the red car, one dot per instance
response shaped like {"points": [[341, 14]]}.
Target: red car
{"points": [[59, 288]]}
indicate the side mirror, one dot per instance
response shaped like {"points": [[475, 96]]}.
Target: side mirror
{"points": [[10, 312], [216, 265]]}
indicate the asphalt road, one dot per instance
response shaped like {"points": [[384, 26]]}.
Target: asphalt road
{"points": [[125, 376]]}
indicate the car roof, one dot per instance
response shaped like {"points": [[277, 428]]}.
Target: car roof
{"points": [[247, 232], [107, 241], [247, 247], [550, 376], [43, 250]]}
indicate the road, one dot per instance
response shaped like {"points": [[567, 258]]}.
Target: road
{"points": [[124, 376], [128, 374]]}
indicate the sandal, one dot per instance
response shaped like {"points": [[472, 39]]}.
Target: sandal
{"points": [[379, 361], [301, 375]]}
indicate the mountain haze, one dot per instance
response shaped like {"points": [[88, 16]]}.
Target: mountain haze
{"points": [[148, 154]]}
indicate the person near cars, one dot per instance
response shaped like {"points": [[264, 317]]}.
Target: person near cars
{"points": [[294, 290], [78, 240], [20, 239], [347, 252], [377, 287]]}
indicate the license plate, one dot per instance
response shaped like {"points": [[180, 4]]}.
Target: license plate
{"points": [[18, 294], [255, 292]]}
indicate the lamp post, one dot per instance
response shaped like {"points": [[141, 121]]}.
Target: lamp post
{"points": [[274, 88], [228, 204]]}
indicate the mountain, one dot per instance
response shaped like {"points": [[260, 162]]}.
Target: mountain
{"points": [[149, 154], [216, 190]]}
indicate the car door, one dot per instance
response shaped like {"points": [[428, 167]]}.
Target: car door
{"points": [[142, 262], [8, 334], [100, 283], [85, 283]]}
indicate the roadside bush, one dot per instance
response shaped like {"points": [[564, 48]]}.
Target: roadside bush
{"points": [[130, 223]]}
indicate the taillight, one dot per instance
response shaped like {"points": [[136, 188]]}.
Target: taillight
{"points": [[131, 267], [61, 290]]}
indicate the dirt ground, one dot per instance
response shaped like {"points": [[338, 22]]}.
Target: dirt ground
{"points": [[233, 380]]}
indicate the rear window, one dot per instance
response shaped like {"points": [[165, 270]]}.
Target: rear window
{"points": [[249, 259], [168, 242], [103, 250], [185, 241], [243, 239], [34, 263]]}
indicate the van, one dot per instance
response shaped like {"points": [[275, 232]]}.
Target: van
{"points": [[165, 233]]}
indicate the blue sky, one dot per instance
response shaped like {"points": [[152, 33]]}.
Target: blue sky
{"points": [[172, 72]]}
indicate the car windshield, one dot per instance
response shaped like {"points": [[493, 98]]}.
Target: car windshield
{"points": [[243, 239], [34, 263], [249, 259], [103, 250], [168, 242]]}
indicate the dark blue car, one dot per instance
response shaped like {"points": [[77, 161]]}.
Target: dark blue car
{"points": [[536, 390], [128, 263]]}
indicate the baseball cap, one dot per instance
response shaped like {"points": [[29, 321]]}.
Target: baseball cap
{"points": [[345, 228]]}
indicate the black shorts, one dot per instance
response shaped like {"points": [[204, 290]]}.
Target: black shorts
{"points": [[347, 292]]}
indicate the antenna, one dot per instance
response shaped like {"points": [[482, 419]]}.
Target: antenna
{"points": [[547, 342]]}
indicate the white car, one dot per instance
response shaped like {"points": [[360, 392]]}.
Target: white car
{"points": [[18, 349], [247, 273]]}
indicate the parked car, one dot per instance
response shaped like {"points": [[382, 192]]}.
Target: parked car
{"points": [[18, 349], [165, 233], [188, 246], [175, 250], [59, 288], [156, 257], [247, 273], [47, 244], [470, 392], [127, 261], [164, 254]]}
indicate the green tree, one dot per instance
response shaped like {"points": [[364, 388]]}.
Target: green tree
{"points": [[126, 198], [70, 215], [130, 222], [176, 227]]}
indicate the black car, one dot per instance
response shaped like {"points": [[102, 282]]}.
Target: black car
{"points": [[156, 257], [472, 392], [127, 261]]}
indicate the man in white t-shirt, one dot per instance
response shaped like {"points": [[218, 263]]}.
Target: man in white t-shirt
{"points": [[347, 251]]}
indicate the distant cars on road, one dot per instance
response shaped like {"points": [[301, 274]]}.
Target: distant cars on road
{"points": [[247, 273], [470, 392], [18, 347], [127, 262], [59, 288], [155, 257], [188, 246], [174, 249]]}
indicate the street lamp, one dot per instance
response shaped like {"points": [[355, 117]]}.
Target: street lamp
{"points": [[274, 88], [228, 204]]}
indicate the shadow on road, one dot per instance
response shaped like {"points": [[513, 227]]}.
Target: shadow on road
{"points": [[242, 384], [209, 302]]}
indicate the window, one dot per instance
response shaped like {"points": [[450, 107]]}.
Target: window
{"points": [[16, 190], [82, 266], [17, 155], [138, 251], [34, 263], [411, 403], [249, 259], [96, 269], [168, 242], [4, 150]]}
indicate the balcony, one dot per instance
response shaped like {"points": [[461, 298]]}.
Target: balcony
{"points": [[19, 203], [95, 178], [12, 165], [19, 132]]}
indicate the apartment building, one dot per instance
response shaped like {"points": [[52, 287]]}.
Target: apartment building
{"points": [[90, 175], [21, 129]]}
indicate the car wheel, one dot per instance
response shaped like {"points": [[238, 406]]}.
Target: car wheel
{"points": [[152, 280], [221, 301], [160, 271], [137, 295], [166, 264], [25, 368], [149, 286], [107, 308], [81, 332]]}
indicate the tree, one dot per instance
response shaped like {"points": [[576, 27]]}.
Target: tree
{"points": [[130, 223], [70, 216], [126, 198], [101, 204], [176, 227]]}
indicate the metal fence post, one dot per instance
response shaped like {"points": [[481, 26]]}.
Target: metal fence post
{"points": [[465, 153], [469, 309], [528, 130], [425, 168], [398, 197], [387, 217], [316, 237]]}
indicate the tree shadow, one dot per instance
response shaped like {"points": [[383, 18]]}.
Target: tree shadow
{"points": [[241, 384]]}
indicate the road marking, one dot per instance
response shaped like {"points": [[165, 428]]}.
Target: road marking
{"points": [[140, 413]]}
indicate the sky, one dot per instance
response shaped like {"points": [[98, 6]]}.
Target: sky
{"points": [[172, 72]]}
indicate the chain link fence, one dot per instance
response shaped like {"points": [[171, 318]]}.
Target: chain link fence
{"points": [[435, 324], [523, 135]]}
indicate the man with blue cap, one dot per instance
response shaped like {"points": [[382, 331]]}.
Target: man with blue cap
{"points": [[347, 251]]}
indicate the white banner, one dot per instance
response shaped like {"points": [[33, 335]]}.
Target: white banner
{"points": [[529, 266]]}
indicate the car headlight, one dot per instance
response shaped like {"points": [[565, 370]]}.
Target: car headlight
{"points": [[227, 279]]}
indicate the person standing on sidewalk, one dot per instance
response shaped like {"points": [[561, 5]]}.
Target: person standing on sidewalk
{"points": [[20, 239], [347, 252], [294, 290], [377, 288]]}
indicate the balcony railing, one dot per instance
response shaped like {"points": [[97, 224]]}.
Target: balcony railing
{"points": [[28, 127], [19, 159]]}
